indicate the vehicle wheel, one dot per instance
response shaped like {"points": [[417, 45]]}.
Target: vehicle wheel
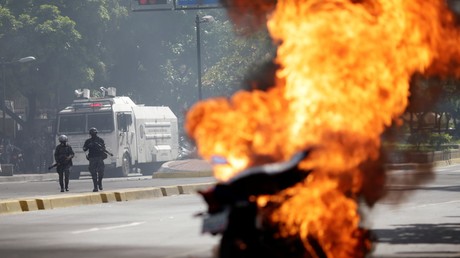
{"points": [[125, 165]]}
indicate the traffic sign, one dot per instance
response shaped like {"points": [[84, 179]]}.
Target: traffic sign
{"points": [[197, 4], [162, 5], [151, 5], [152, 2]]}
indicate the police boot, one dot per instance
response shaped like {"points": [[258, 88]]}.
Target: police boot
{"points": [[67, 185], [95, 186], [99, 183]]}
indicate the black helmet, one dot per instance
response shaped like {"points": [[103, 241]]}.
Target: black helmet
{"points": [[93, 131], [63, 138]]}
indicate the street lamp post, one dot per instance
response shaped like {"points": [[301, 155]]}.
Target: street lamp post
{"points": [[4, 64], [198, 21]]}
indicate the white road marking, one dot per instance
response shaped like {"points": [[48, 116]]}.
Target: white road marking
{"points": [[108, 228], [405, 207]]}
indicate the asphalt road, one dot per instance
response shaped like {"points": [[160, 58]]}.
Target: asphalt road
{"points": [[418, 218], [163, 227]]}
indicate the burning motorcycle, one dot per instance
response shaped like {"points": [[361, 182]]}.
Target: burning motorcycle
{"points": [[234, 214]]}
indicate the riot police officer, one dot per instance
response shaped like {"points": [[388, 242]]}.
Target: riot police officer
{"points": [[96, 155], [63, 155]]}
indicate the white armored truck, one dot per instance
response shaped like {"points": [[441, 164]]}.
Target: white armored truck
{"points": [[138, 136]]}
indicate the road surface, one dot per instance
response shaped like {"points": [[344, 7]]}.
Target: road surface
{"points": [[419, 218]]}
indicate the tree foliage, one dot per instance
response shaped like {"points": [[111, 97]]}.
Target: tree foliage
{"points": [[67, 39], [151, 57], [227, 57]]}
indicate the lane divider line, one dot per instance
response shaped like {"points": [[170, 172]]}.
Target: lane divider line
{"points": [[108, 228]]}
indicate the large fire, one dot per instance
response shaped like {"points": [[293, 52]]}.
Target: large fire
{"points": [[345, 67]]}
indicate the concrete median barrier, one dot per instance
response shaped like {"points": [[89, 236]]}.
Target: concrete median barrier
{"points": [[108, 197], [193, 188], [69, 200], [136, 194], [43, 204], [63, 201], [29, 205], [10, 206], [170, 190]]}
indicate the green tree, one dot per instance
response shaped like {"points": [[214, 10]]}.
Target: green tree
{"points": [[227, 58], [66, 37]]}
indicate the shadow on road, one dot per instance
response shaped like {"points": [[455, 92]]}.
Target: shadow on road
{"points": [[446, 233]]}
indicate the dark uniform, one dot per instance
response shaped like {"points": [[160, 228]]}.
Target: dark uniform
{"points": [[63, 155], [96, 155]]}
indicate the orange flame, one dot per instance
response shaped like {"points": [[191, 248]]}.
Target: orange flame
{"points": [[344, 78]]}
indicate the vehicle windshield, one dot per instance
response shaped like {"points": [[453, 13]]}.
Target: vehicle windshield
{"points": [[71, 124], [80, 123], [103, 122]]}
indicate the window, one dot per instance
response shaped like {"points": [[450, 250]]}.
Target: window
{"points": [[80, 124], [102, 121], [124, 120], [72, 124]]}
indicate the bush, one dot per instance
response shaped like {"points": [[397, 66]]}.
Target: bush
{"points": [[438, 139], [424, 141], [418, 138]]}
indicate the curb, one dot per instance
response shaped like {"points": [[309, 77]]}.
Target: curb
{"points": [[178, 174], [29, 177], [422, 166], [184, 168], [62, 201]]}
